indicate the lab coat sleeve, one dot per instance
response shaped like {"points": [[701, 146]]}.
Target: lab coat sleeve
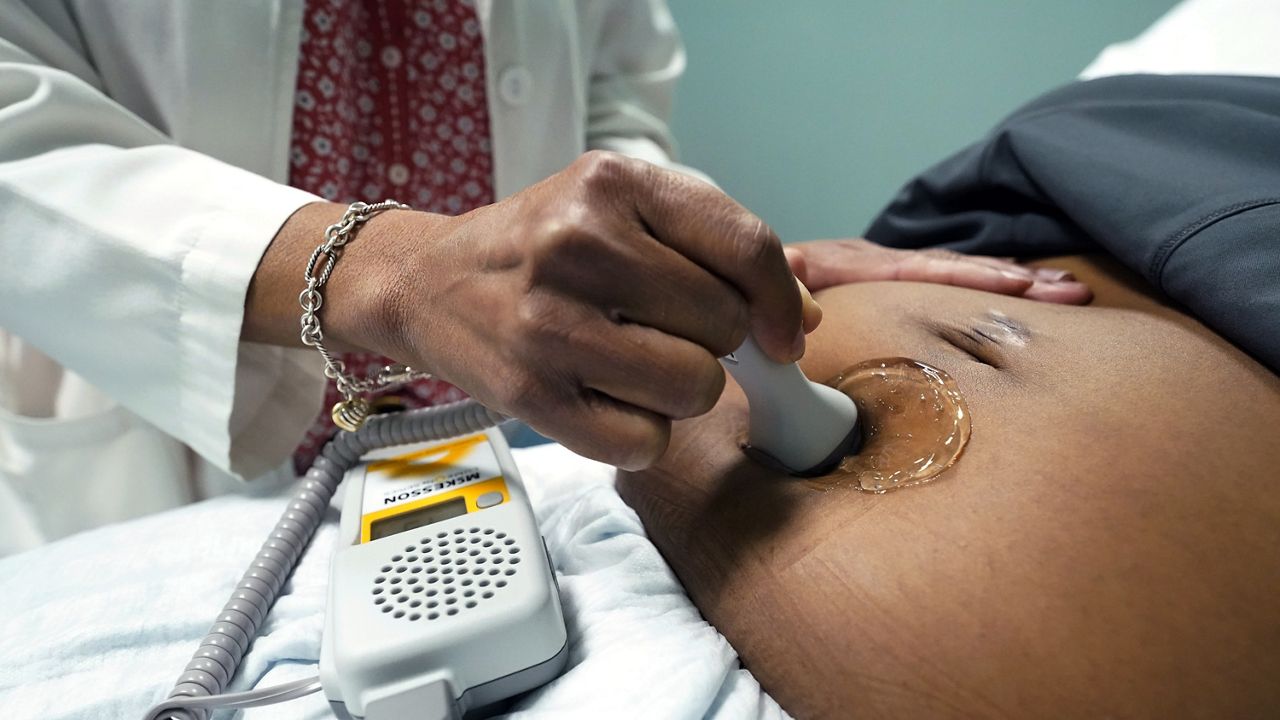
{"points": [[638, 59], [127, 259]]}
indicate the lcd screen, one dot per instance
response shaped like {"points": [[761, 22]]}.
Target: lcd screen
{"points": [[417, 518]]}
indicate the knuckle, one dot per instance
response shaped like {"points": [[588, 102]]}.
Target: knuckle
{"points": [[564, 230], [627, 438], [542, 321], [522, 393], [543, 316], [738, 333], [757, 244], [705, 383], [644, 446], [602, 169], [560, 241], [733, 324]]}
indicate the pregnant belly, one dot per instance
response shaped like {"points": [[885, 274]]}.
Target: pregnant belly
{"points": [[1109, 532]]}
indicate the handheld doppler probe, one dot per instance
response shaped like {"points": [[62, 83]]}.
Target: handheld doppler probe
{"points": [[805, 426]]}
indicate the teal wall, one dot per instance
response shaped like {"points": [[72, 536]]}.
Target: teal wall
{"points": [[813, 112]]}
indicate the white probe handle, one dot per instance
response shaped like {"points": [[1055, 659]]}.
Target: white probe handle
{"points": [[798, 422]]}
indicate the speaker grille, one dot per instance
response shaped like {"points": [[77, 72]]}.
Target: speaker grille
{"points": [[445, 573]]}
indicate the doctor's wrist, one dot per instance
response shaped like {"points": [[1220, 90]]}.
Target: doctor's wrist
{"points": [[373, 301], [364, 298]]}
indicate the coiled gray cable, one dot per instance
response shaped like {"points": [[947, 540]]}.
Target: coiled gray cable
{"points": [[220, 652]]}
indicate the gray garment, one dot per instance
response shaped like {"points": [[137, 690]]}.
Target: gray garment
{"points": [[1178, 177]]}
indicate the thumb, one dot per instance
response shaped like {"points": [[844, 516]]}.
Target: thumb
{"points": [[810, 310]]}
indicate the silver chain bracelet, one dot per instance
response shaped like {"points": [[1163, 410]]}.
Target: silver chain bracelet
{"points": [[350, 413]]}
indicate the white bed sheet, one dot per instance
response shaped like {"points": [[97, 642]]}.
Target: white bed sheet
{"points": [[100, 624]]}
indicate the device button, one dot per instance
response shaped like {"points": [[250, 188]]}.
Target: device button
{"points": [[488, 499]]}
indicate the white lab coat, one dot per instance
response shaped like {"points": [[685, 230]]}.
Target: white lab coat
{"points": [[143, 147]]}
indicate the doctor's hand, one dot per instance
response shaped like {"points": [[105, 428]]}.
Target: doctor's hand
{"points": [[593, 305], [825, 263]]}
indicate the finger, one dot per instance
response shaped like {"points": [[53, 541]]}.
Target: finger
{"points": [[631, 277], [850, 260], [555, 342], [827, 263], [1067, 292], [643, 367], [998, 264], [1046, 284], [811, 311], [681, 299], [1047, 274], [961, 272], [708, 227], [1049, 284], [1053, 274], [598, 427]]}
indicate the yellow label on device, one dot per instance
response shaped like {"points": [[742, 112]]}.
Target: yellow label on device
{"points": [[430, 485]]}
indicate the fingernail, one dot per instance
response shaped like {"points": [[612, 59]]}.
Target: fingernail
{"points": [[810, 310], [1053, 275]]}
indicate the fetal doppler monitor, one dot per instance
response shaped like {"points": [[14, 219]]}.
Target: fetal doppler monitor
{"points": [[441, 595], [442, 599]]}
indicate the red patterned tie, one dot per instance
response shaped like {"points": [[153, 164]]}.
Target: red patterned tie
{"points": [[390, 103]]}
